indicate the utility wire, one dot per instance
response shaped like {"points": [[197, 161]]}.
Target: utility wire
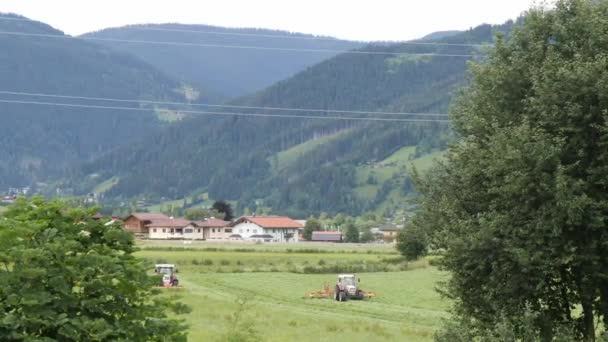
{"points": [[302, 37], [289, 109], [357, 52], [223, 113]]}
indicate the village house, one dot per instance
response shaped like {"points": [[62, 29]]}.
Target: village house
{"points": [[266, 228], [137, 223], [327, 236], [161, 226], [388, 232], [215, 229], [173, 228]]}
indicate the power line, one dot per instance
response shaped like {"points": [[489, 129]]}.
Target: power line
{"points": [[302, 37], [289, 109], [358, 52], [294, 37], [223, 113]]}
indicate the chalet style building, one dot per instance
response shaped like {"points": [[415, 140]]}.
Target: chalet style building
{"points": [[161, 226], [137, 223], [266, 228]]}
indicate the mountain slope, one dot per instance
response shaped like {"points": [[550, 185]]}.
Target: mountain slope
{"points": [[225, 72], [248, 158], [39, 141]]}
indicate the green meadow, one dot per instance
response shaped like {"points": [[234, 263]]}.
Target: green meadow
{"points": [[261, 288]]}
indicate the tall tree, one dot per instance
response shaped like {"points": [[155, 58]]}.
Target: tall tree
{"points": [[312, 224], [521, 203], [67, 277], [225, 208], [352, 232], [200, 213]]}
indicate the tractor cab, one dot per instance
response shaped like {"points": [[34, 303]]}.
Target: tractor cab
{"points": [[347, 287], [168, 273]]}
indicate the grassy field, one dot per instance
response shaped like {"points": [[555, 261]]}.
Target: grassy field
{"points": [[285, 158], [106, 185], [407, 308]]}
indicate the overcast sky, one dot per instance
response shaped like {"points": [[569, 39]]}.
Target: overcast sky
{"points": [[348, 19]]}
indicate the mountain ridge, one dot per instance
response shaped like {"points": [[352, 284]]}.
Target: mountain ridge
{"points": [[223, 71], [41, 141], [232, 157]]}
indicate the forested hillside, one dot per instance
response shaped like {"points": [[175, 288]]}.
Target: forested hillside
{"points": [[251, 159], [37, 142], [223, 71]]}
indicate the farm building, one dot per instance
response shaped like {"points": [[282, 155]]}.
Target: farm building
{"points": [[327, 236], [160, 226], [137, 223], [280, 229], [173, 228], [388, 232], [214, 229]]}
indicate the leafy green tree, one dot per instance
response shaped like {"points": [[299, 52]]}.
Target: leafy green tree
{"points": [[352, 232], [521, 203], [367, 236], [312, 224], [412, 242], [224, 208], [67, 277], [200, 213]]}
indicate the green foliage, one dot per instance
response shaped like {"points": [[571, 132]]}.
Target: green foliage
{"points": [[241, 326], [200, 213], [412, 242], [224, 208], [352, 232], [59, 137], [67, 277], [521, 203], [239, 158], [367, 236], [312, 224]]}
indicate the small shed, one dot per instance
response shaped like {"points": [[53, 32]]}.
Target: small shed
{"points": [[335, 236]]}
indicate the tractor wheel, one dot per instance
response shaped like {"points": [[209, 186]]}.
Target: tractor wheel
{"points": [[175, 282], [337, 294]]}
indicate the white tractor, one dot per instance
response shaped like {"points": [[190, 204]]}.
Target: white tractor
{"points": [[168, 273], [347, 288]]}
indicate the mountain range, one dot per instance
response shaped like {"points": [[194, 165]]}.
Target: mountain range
{"points": [[287, 164], [223, 62]]}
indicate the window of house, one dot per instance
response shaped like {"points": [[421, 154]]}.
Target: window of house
{"points": [[255, 230], [228, 230], [198, 230], [189, 231], [213, 230], [154, 230], [247, 230], [164, 230]]}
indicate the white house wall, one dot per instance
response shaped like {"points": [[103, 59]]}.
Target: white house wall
{"points": [[187, 233], [218, 233], [247, 229]]}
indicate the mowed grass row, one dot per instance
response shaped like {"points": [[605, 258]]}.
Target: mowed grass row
{"points": [[237, 262], [303, 247], [407, 308]]}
